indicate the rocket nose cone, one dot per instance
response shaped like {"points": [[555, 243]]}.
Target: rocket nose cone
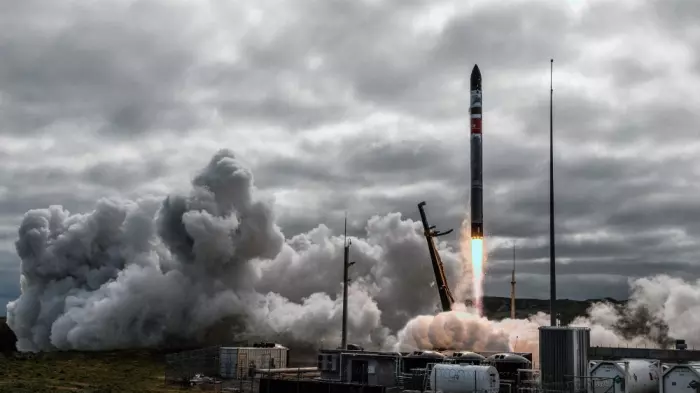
{"points": [[475, 79], [476, 71]]}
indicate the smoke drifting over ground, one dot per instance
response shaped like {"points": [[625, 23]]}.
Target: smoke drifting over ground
{"points": [[214, 264]]}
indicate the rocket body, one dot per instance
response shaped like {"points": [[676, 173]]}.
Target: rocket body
{"points": [[475, 112]]}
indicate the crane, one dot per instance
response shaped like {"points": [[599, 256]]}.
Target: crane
{"points": [[446, 298]]}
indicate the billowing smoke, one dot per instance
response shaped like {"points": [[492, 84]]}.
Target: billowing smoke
{"points": [[152, 271], [659, 309], [213, 265]]}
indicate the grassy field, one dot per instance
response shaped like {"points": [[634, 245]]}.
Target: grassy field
{"points": [[96, 372]]}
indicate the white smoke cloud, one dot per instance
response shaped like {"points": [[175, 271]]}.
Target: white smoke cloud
{"points": [[148, 272], [141, 273]]}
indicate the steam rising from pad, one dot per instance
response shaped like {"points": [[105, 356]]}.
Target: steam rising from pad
{"points": [[213, 265]]}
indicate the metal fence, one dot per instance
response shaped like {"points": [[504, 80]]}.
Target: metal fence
{"points": [[286, 385], [289, 382], [181, 367], [202, 368], [579, 384]]}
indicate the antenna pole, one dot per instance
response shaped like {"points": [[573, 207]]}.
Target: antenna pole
{"points": [[552, 257], [346, 265], [512, 288]]}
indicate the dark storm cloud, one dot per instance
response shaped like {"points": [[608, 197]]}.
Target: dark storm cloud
{"points": [[100, 64], [507, 36], [41, 186], [109, 68]]}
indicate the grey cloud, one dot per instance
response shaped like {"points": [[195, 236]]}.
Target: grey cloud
{"points": [[110, 69], [116, 175], [594, 192], [609, 267], [677, 15], [124, 175], [22, 202], [100, 64], [586, 121], [9, 278], [37, 186], [506, 36], [629, 72]]}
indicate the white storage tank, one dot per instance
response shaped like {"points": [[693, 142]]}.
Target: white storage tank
{"points": [[627, 376], [681, 378], [464, 378]]}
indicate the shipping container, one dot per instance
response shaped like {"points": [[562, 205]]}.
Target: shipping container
{"points": [[240, 362]]}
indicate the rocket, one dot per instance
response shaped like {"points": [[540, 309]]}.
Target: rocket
{"points": [[477, 198]]}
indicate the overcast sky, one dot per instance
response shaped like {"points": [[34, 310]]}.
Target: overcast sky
{"points": [[363, 105]]}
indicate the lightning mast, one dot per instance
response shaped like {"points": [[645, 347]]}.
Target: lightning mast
{"points": [[512, 288], [552, 255], [346, 280]]}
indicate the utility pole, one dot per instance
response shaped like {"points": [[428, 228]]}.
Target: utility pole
{"points": [[346, 281], [512, 288], [552, 255]]}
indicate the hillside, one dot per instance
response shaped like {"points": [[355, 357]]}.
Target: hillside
{"points": [[499, 307], [495, 308]]}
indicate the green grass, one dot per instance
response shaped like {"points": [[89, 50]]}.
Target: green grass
{"points": [[95, 372]]}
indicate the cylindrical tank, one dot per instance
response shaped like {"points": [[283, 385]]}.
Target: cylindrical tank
{"points": [[508, 365], [628, 376], [680, 378], [420, 359], [466, 357], [457, 378], [564, 357]]}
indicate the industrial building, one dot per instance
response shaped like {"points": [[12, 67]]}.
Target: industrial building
{"points": [[566, 365], [239, 362], [422, 370], [361, 367], [225, 362]]}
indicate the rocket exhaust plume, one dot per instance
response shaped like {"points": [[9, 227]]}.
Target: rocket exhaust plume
{"points": [[477, 208], [478, 274]]}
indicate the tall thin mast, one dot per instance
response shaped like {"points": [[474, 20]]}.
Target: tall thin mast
{"points": [[552, 257], [512, 288], [346, 265]]}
